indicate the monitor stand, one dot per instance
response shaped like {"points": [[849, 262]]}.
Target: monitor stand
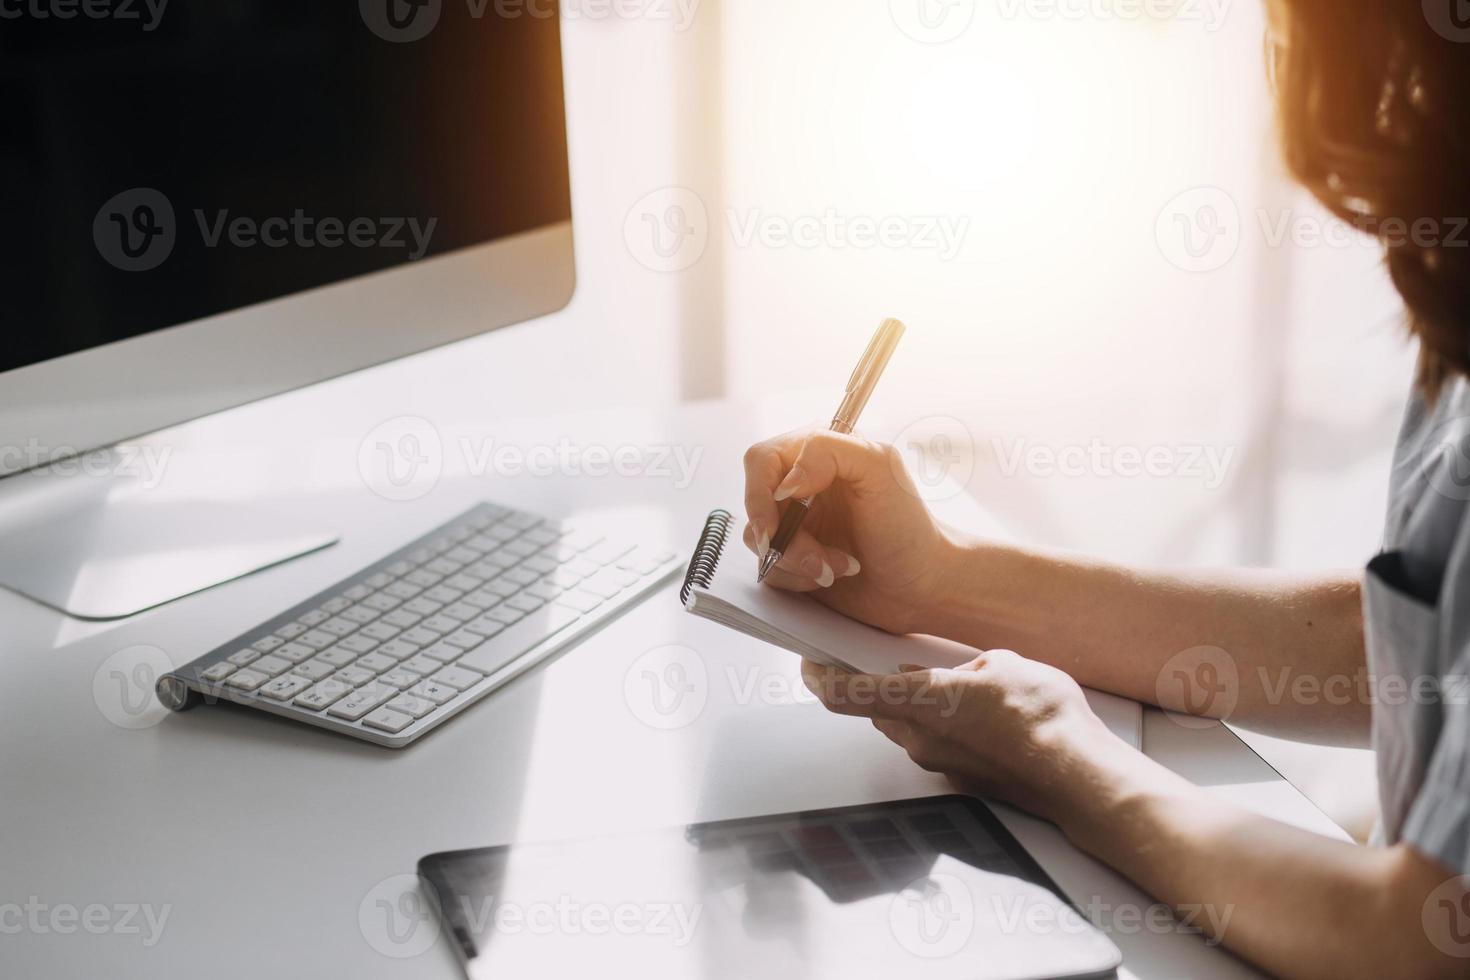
{"points": [[80, 538]]}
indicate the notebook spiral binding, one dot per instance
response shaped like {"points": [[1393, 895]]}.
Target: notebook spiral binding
{"points": [[707, 553]]}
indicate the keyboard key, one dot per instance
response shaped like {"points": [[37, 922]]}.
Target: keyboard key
{"points": [[361, 701], [378, 580], [521, 548], [242, 657], [313, 618], [441, 623], [443, 566], [461, 611], [500, 650], [247, 679], [545, 590], [541, 535], [399, 678], [382, 601], [481, 599], [400, 619], [443, 594], [521, 576], [485, 626], [336, 604], [354, 675], [602, 584], [271, 665], [357, 593], [457, 678], [388, 720], [285, 687], [422, 606], [503, 587], [290, 631], [423, 578], [505, 614], [581, 566], [376, 662], [403, 590], [606, 552], [338, 626], [582, 539], [540, 564], [579, 600], [399, 569], [337, 657], [379, 631], [433, 691], [420, 664], [419, 636], [464, 639], [642, 562], [317, 639], [443, 652], [294, 652], [397, 649], [525, 602], [361, 614], [502, 532], [218, 672], [463, 555], [267, 643], [465, 582], [410, 704], [521, 521], [358, 643], [564, 578], [323, 695], [314, 670]]}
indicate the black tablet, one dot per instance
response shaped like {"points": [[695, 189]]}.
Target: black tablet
{"points": [[918, 888]]}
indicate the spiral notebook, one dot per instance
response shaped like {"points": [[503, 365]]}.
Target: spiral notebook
{"points": [[726, 592]]}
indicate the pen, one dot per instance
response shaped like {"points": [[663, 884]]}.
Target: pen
{"points": [[859, 389]]}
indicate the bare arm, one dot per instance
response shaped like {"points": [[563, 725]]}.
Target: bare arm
{"points": [[1270, 650]]}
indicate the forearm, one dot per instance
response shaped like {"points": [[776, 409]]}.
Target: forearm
{"points": [[1297, 904], [1287, 649]]}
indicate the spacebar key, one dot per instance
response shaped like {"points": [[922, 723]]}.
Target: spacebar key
{"points": [[515, 640]]}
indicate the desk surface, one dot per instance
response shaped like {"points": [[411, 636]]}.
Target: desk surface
{"points": [[267, 845]]}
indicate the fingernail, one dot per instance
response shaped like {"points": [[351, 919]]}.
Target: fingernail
{"points": [[826, 579], [762, 542], [813, 567], [788, 486], [852, 567]]}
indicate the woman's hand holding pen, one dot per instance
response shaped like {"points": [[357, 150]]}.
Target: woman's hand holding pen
{"points": [[869, 548]]}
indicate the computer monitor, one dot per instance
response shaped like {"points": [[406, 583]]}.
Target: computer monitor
{"points": [[212, 203]]}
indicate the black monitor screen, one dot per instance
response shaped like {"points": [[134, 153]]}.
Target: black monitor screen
{"points": [[166, 160]]}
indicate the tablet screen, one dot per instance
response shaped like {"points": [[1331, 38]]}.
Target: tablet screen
{"points": [[934, 887]]}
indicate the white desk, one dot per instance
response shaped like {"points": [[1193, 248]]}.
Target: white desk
{"points": [[262, 838]]}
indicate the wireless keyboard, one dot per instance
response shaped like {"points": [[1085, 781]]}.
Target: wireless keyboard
{"points": [[407, 643]]}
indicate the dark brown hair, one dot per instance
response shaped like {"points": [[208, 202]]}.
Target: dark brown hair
{"points": [[1371, 95]]}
